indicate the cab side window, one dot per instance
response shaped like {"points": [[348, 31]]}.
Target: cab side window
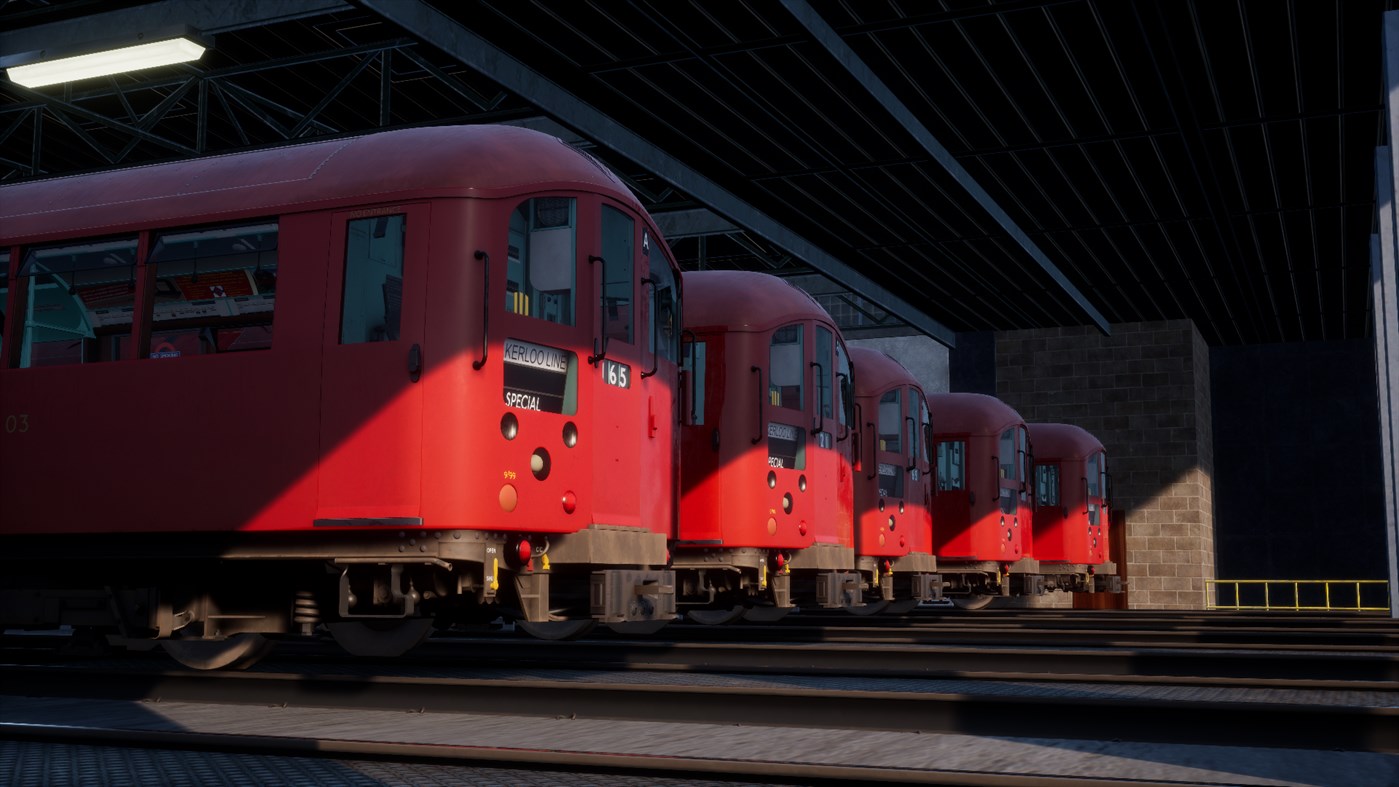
{"points": [[1047, 484], [4, 295], [372, 307], [845, 391], [540, 274], [665, 339], [215, 289], [78, 302]]}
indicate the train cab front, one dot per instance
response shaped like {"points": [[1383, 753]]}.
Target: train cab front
{"points": [[766, 507], [1073, 508], [982, 507], [569, 415], [893, 537]]}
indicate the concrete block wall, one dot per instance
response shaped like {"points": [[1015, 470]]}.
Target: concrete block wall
{"points": [[1144, 392]]}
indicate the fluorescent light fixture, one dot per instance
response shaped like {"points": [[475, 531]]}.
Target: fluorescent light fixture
{"points": [[180, 49]]}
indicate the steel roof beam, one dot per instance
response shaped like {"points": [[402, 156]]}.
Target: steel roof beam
{"points": [[207, 18], [828, 38], [434, 27]]}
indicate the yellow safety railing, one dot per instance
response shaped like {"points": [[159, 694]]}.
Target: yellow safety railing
{"points": [[1299, 595]]}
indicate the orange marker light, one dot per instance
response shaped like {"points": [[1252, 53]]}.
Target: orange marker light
{"points": [[509, 498]]}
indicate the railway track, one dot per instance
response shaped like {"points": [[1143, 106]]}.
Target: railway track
{"points": [[1350, 720], [1310, 686]]}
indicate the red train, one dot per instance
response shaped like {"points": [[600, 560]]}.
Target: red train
{"points": [[1072, 501], [893, 482], [767, 484], [375, 382], [982, 506], [432, 376]]}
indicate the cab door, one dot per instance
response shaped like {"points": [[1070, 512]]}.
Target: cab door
{"points": [[373, 358], [660, 322], [620, 410]]}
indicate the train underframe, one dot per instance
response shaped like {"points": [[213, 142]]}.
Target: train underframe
{"points": [[210, 601], [974, 584], [719, 585]]}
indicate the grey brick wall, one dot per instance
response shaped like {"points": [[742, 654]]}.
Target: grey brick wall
{"points": [[1145, 393]]}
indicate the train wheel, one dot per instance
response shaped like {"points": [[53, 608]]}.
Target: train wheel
{"points": [[868, 608], [974, 601], [382, 638], [715, 617], [556, 629], [901, 607], [766, 614], [239, 651]]}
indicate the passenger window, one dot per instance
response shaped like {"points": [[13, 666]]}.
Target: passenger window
{"points": [[666, 303], [891, 411], [786, 386], [824, 340], [540, 272], [215, 289], [1047, 485], [78, 302], [371, 308], [618, 238], [952, 468]]}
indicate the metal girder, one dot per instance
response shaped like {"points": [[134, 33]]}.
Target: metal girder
{"points": [[1385, 272], [206, 16], [436, 28], [829, 39], [691, 223]]}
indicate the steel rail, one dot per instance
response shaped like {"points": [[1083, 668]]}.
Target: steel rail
{"points": [[1080, 715], [866, 631], [1276, 669], [535, 759]]}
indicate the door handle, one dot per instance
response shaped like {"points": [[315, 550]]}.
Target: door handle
{"points": [[415, 363]]}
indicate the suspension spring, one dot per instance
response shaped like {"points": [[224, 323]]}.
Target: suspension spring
{"points": [[305, 609]]}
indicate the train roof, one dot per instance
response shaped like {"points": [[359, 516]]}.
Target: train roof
{"points": [[1063, 441], [746, 301], [415, 163], [970, 413], [876, 371]]}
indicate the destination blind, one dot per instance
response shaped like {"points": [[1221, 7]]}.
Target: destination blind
{"points": [[786, 446], [538, 377]]}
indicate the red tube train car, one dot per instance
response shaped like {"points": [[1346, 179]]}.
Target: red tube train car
{"points": [[893, 481], [373, 382], [1071, 512], [766, 492], [982, 507]]}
